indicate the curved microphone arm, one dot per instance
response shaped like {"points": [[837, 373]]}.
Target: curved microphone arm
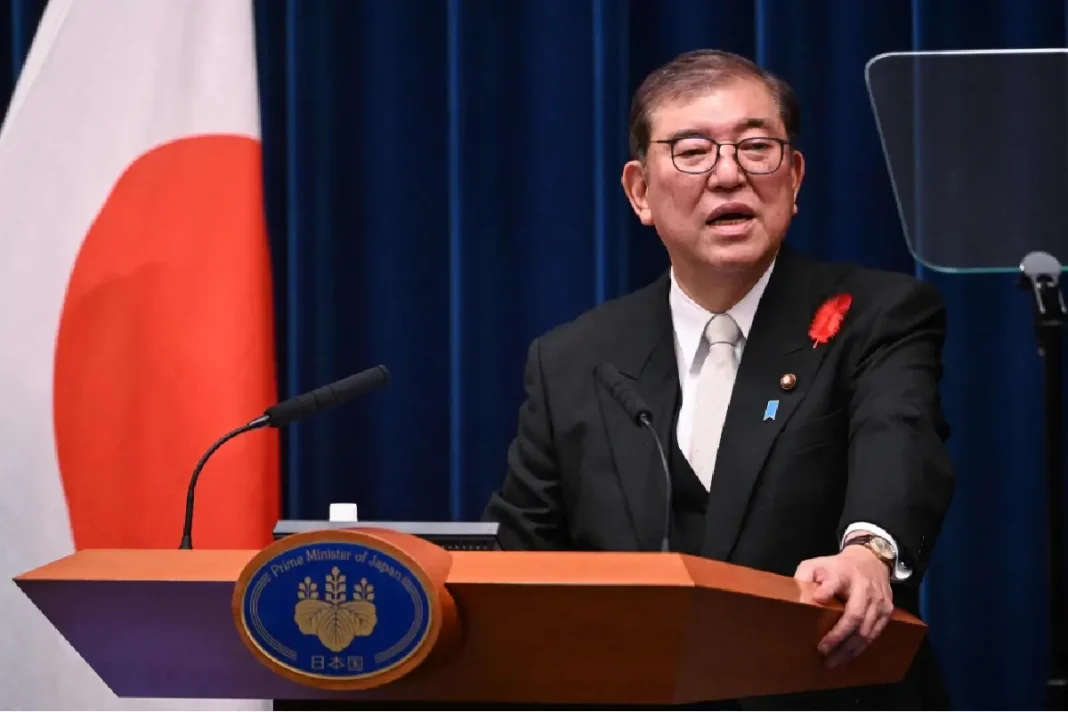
{"points": [[187, 531]]}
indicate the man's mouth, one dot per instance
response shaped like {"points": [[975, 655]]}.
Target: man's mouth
{"points": [[730, 219], [734, 214]]}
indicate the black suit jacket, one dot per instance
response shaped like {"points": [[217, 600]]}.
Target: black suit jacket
{"points": [[859, 438]]}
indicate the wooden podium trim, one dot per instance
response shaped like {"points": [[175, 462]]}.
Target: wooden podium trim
{"points": [[655, 629], [223, 565], [456, 568]]}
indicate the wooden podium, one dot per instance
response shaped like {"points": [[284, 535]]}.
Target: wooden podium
{"points": [[510, 627]]}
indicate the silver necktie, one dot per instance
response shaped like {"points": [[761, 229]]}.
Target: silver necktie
{"points": [[713, 395]]}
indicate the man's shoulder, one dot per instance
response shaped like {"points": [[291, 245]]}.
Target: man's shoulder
{"points": [[885, 305], [600, 327], [871, 288]]}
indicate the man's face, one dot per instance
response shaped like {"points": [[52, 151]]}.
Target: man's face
{"points": [[726, 219]]}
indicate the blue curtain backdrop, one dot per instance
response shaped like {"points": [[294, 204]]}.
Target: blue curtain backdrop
{"points": [[443, 185]]}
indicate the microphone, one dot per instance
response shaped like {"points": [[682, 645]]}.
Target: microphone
{"points": [[328, 396], [641, 415], [284, 413]]}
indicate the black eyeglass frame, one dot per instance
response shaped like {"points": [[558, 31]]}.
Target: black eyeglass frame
{"points": [[783, 146]]}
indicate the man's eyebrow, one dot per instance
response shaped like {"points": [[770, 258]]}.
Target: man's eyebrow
{"points": [[754, 122], [687, 133]]}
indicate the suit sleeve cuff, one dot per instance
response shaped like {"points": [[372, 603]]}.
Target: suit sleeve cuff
{"points": [[901, 571]]}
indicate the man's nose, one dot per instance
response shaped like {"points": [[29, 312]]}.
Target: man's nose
{"points": [[726, 173]]}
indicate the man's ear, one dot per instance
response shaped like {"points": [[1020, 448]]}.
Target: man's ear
{"points": [[636, 187], [797, 168]]}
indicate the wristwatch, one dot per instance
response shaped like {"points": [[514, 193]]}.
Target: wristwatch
{"points": [[876, 545]]}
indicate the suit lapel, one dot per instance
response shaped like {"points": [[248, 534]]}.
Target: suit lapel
{"points": [[778, 344], [646, 357]]}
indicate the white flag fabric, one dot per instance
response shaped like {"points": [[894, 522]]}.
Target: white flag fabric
{"points": [[135, 308]]}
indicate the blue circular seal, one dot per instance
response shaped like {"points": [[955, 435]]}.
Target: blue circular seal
{"points": [[334, 609]]}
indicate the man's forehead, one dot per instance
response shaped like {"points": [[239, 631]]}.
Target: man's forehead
{"points": [[732, 108]]}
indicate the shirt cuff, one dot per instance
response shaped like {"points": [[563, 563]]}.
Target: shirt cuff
{"points": [[901, 571]]}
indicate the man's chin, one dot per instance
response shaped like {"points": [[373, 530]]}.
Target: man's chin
{"points": [[740, 255]]}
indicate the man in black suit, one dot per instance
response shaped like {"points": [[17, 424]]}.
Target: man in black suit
{"points": [[794, 446]]}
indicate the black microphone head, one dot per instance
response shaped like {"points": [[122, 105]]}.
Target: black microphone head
{"points": [[609, 374], [328, 396], [624, 393], [374, 377]]}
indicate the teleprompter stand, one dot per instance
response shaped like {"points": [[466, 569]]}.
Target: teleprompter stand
{"points": [[945, 119], [1040, 273]]}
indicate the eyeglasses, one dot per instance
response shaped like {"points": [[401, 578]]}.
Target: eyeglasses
{"points": [[756, 155]]}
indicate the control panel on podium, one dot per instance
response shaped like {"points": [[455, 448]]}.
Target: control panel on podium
{"points": [[453, 536]]}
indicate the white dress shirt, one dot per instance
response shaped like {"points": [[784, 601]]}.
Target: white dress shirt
{"points": [[689, 320]]}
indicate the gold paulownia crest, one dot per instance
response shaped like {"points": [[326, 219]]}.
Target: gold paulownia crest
{"points": [[335, 620]]}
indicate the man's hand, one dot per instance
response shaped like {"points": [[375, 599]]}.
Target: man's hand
{"points": [[862, 581]]}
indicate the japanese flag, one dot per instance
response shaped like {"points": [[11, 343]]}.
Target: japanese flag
{"points": [[135, 307]]}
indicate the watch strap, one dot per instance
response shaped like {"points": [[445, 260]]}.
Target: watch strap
{"points": [[877, 545]]}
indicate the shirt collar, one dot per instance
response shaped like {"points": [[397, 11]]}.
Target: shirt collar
{"points": [[689, 318]]}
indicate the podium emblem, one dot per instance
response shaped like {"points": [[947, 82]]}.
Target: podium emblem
{"points": [[334, 609], [335, 620]]}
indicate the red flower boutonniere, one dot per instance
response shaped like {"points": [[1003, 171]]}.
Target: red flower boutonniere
{"points": [[829, 318]]}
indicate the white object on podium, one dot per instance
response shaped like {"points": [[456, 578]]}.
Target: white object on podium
{"points": [[343, 512]]}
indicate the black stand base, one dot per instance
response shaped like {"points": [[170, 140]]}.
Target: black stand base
{"points": [[1041, 272]]}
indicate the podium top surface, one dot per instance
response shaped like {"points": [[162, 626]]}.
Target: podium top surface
{"points": [[665, 570], [144, 565]]}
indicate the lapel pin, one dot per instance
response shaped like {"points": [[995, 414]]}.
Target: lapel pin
{"points": [[769, 411], [788, 381], [829, 318]]}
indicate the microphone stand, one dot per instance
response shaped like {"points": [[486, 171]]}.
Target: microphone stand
{"points": [[187, 528], [1040, 273]]}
